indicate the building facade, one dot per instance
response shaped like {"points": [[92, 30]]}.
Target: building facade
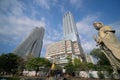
{"points": [[32, 45], [59, 51], [89, 59]]}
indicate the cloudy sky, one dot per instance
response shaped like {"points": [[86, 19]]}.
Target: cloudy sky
{"points": [[19, 17]]}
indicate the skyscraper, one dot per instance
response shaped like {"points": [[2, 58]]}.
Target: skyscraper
{"points": [[32, 45], [70, 31], [69, 28]]}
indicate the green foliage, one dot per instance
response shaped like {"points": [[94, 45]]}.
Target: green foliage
{"points": [[35, 63], [10, 63], [57, 67], [77, 65], [103, 62], [10, 78], [101, 76], [82, 65], [86, 66], [98, 54], [69, 68]]}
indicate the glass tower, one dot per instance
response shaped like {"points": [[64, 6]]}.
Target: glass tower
{"points": [[70, 31], [69, 28]]}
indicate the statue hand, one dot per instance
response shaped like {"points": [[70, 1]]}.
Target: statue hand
{"points": [[95, 38], [97, 41]]}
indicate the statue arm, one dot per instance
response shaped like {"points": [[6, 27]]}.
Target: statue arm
{"points": [[98, 40], [108, 29]]}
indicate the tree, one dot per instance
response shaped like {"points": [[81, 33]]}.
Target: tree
{"points": [[77, 65], [99, 55], [103, 62], [10, 63], [69, 66], [36, 63]]}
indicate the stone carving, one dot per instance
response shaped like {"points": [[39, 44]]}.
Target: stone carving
{"points": [[109, 44]]}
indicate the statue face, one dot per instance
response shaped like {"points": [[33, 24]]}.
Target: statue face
{"points": [[98, 25]]}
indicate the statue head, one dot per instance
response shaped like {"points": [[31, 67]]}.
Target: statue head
{"points": [[97, 25]]}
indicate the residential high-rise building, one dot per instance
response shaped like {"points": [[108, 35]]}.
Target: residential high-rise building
{"points": [[58, 51], [32, 45], [71, 33]]}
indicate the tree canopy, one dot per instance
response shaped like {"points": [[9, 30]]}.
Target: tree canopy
{"points": [[10, 63], [37, 63], [98, 54], [77, 65], [103, 63]]}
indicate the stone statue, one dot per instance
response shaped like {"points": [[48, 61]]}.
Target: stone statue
{"points": [[109, 44]]}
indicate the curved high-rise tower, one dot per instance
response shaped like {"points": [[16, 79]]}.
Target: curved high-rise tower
{"points": [[32, 45]]}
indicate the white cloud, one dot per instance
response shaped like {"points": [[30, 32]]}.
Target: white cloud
{"points": [[52, 35], [88, 45], [87, 31], [77, 3], [46, 4], [18, 27], [43, 3], [86, 24], [14, 25], [13, 7], [62, 8]]}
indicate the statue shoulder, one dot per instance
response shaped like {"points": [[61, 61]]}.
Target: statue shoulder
{"points": [[105, 28]]}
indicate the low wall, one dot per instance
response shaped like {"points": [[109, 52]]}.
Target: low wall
{"points": [[94, 74]]}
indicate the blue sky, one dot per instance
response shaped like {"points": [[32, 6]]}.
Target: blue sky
{"points": [[19, 17]]}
